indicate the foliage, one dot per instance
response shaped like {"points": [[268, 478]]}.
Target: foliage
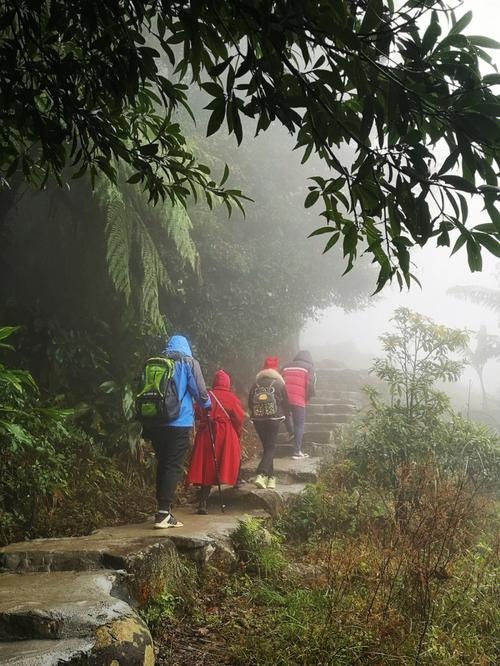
{"points": [[391, 80], [136, 235], [257, 548], [384, 442], [31, 465], [487, 296], [160, 608], [367, 590], [55, 479], [83, 87], [418, 427], [418, 356], [86, 291], [487, 348]]}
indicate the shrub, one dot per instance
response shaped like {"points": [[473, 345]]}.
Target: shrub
{"points": [[258, 549], [55, 479]]}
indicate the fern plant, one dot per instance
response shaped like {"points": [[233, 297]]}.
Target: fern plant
{"points": [[137, 236]]}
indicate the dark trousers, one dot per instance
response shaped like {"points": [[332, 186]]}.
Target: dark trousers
{"points": [[295, 423], [171, 446], [268, 434]]}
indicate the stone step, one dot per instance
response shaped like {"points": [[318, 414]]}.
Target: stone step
{"points": [[337, 407], [340, 383], [338, 394], [249, 498], [47, 652], [337, 397], [333, 420], [326, 418], [336, 377], [64, 604], [321, 408], [123, 547], [321, 436], [287, 471], [37, 607], [314, 450]]}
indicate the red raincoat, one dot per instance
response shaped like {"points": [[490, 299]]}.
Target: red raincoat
{"points": [[227, 420]]}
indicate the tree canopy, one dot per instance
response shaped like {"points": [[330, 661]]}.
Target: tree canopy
{"points": [[87, 83]]}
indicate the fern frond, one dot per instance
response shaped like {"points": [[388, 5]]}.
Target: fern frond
{"points": [[154, 276], [175, 220], [118, 234], [486, 296]]}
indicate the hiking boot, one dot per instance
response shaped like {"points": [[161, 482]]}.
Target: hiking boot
{"points": [[260, 481], [300, 455], [202, 508], [271, 482], [166, 520], [203, 499]]}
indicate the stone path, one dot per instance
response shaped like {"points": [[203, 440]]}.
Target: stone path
{"points": [[73, 600]]}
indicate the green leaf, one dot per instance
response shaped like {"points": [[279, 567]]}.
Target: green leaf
{"points": [[450, 161], [7, 331], [474, 255], [135, 178], [491, 79], [311, 199], [461, 24], [459, 183], [217, 118], [483, 42], [213, 89], [321, 230], [431, 34], [491, 243], [331, 242]]}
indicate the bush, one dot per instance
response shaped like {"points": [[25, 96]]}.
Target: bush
{"points": [[258, 549], [55, 479], [383, 441]]}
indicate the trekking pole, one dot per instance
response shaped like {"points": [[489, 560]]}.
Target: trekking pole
{"points": [[216, 464]]}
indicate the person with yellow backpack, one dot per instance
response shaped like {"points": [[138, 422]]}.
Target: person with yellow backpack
{"points": [[268, 405]]}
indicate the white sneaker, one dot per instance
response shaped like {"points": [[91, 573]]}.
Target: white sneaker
{"points": [[271, 482], [260, 481], [300, 456], [166, 520]]}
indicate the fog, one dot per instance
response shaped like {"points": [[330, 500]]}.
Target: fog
{"points": [[352, 338]]}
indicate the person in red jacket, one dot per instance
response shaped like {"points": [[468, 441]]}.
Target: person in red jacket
{"points": [[300, 380], [227, 417]]}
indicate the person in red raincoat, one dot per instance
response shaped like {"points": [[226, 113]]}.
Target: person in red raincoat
{"points": [[227, 417]]}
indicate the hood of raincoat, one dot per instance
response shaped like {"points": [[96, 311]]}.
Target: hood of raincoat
{"points": [[179, 344], [304, 356], [221, 380]]}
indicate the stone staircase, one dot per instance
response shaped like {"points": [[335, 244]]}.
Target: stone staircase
{"points": [[74, 600], [338, 398]]}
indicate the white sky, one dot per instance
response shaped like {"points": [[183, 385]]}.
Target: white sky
{"points": [[435, 269]]}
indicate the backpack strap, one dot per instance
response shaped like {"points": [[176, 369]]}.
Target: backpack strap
{"points": [[212, 394]]}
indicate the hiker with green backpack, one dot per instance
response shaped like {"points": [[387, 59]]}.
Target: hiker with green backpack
{"points": [[164, 405]]}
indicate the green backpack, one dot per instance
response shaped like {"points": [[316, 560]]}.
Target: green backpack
{"points": [[158, 399]]}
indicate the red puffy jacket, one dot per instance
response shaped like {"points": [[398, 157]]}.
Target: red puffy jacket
{"points": [[299, 379]]}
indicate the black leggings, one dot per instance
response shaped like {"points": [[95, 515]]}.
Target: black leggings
{"points": [[171, 446], [268, 434]]}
